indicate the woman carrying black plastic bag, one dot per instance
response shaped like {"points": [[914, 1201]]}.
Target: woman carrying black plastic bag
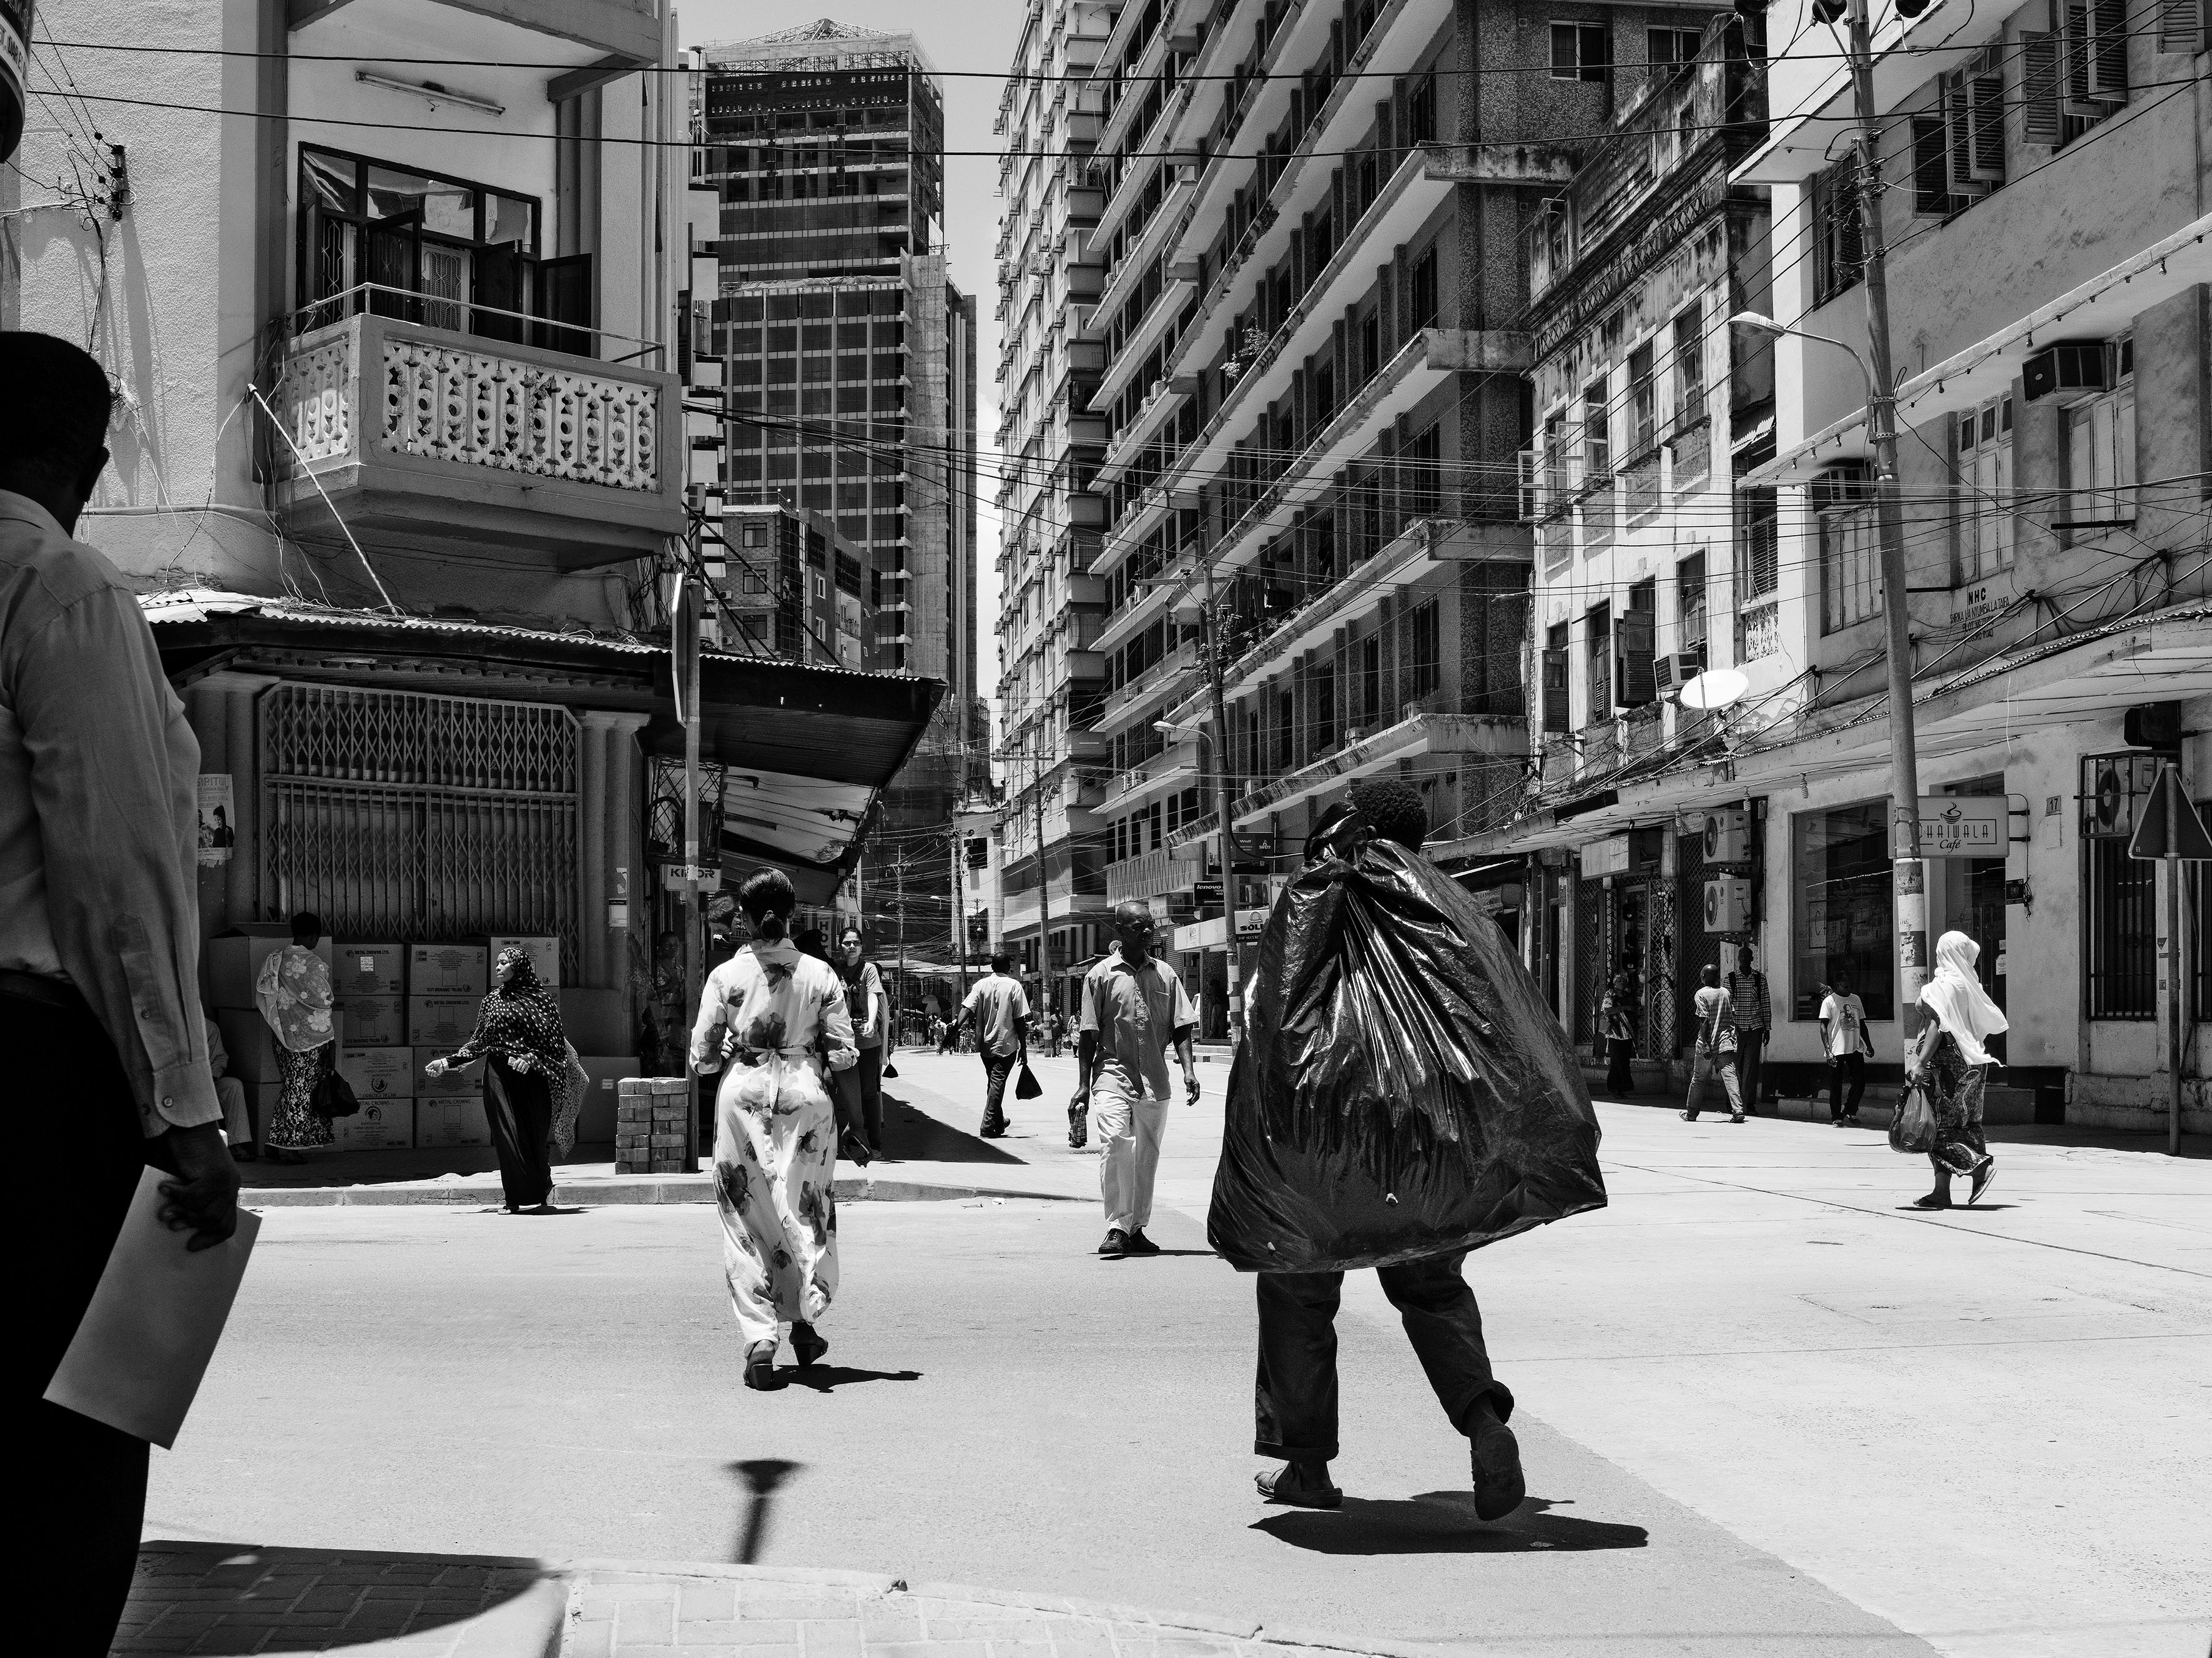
{"points": [[1402, 1096], [519, 1030]]}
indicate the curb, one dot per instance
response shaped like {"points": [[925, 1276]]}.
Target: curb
{"points": [[663, 1189]]}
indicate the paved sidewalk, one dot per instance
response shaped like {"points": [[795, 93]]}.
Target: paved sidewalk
{"points": [[207, 1598]]}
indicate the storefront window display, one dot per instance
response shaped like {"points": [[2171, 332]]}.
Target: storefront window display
{"points": [[1842, 919]]}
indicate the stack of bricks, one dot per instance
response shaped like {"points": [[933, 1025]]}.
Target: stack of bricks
{"points": [[652, 1127]]}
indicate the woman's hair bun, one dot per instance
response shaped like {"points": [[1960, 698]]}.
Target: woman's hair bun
{"points": [[768, 900]]}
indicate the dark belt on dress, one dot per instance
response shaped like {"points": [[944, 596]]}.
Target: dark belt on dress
{"points": [[56, 993]]}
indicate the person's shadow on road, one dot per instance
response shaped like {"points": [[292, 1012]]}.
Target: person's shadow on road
{"points": [[1443, 1522], [828, 1378]]}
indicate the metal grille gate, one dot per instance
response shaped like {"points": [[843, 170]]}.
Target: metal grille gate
{"points": [[396, 815]]}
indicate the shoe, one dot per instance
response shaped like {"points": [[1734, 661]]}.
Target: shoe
{"points": [[1739, 1117], [1933, 1200], [1835, 1122], [1499, 1487], [760, 1366], [1688, 1116], [1851, 1119], [806, 1344], [1115, 1245], [998, 1133], [1982, 1176], [1138, 1244], [1300, 1484]]}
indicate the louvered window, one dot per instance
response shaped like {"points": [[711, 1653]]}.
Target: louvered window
{"points": [[1838, 230], [396, 815], [1983, 460]]}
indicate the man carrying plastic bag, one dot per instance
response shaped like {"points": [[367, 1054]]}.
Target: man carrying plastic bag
{"points": [[1402, 1097]]}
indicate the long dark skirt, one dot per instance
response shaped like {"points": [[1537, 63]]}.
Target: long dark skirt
{"points": [[520, 1107]]}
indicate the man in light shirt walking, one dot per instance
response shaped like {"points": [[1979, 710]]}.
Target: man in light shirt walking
{"points": [[1754, 1022], [1000, 1010], [1135, 1010]]}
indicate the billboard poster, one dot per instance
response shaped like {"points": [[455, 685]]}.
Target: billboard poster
{"points": [[218, 832]]}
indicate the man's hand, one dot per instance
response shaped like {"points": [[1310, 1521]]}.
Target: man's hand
{"points": [[1081, 1097], [1190, 1082], [204, 1195]]}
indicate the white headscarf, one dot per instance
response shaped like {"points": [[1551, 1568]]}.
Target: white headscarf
{"points": [[1957, 999]]}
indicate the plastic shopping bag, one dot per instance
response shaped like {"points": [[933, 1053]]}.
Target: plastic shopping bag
{"points": [[1402, 1091], [1912, 1126]]}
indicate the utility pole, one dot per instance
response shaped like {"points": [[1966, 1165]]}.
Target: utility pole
{"points": [[898, 901], [1044, 879], [685, 661], [1911, 873], [1223, 790]]}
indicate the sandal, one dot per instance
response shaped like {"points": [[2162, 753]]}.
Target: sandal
{"points": [[806, 1346], [760, 1366]]}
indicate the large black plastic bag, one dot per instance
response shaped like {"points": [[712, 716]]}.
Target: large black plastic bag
{"points": [[1402, 1090]]}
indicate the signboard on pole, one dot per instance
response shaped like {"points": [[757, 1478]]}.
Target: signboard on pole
{"points": [[2169, 826]]}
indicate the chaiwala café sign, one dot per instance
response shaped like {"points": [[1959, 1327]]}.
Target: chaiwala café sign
{"points": [[1963, 827]]}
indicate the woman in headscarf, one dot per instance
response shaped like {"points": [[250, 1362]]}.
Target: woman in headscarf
{"points": [[779, 1017], [1952, 1064], [294, 995], [518, 1030], [1616, 1023]]}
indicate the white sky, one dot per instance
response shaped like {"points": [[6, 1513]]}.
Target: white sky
{"points": [[973, 35]]}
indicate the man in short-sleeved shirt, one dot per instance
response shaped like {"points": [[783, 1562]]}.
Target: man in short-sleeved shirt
{"points": [[1000, 1013], [1134, 1009]]}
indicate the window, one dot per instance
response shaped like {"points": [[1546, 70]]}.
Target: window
{"points": [[1581, 52], [1689, 367], [1668, 47], [1556, 714], [2100, 453], [1839, 232], [1597, 448], [1983, 460], [2119, 912], [1371, 680], [1425, 656], [1959, 146], [1851, 567], [1690, 602], [1635, 644], [1286, 730], [1842, 923], [1598, 629], [1643, 404], [1421, 298], [1421, 112], [1558, 478], [1324, 708], [1424, 466]]}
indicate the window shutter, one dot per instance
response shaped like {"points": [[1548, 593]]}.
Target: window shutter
{"points": [[1634, 685], [2108, 52], [1931, 187], [2181, 25], [2076, 89], [1851, 236], [395, 254], [1555, 691], [2039, 114], [1985, 119]]}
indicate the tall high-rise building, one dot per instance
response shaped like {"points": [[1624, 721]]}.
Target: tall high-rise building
{"points": [[848, 354], [1051, 885]]}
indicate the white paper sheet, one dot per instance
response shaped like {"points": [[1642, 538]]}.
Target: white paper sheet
{"points": [[136, 1359]]}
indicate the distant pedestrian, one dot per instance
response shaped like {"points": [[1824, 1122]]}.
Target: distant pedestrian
{"points": [[778, 1021], [99, 995], [1135, 1011], [666, 1036], [237, 1120], [518, 1031], [295, 997], [1950, 1061], [863, 1083], [998, 1008], [809, 942], [1616, 1024], [1754, 1022], [1716, 1050], [1843, 1039]]}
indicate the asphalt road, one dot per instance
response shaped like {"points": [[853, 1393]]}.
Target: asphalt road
{"points": [[1763, 1410]]}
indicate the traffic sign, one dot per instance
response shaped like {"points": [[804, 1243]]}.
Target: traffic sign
{"points": [[2188, 843]]}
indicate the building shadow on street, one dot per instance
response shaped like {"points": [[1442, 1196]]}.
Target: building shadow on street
{"points": [[911, 1135], [1443, 1522], [240, 1597]]}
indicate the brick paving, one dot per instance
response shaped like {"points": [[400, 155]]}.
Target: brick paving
{"points": [[226, 1598]]}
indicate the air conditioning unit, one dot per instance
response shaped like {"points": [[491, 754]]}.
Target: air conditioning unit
{"points": [[1728, 905], [1672, 672], [2071, 365], [1728, 836]]}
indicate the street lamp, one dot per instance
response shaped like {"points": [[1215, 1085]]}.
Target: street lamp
{"points": [[1766, 328]]}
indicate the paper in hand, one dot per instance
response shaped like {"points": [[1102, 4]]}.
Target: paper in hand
{"points": [[138, 1355]]}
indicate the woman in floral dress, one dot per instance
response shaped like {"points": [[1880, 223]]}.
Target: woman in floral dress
{"points": [[294, 994], [519, 1030], [776, 1015]]}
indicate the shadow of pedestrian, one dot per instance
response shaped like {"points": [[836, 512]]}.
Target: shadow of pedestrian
{"points": [[828, 1378], [762, 1476], [1443, 1522]]}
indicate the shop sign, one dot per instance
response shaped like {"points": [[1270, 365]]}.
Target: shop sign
{"points": [[1963, 825], [1609, 856]]}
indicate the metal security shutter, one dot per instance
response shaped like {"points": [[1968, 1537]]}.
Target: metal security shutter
{"points": [[396, 815]]}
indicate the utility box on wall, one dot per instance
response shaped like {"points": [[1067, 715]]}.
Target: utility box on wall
{"points": [[1728, 905]]}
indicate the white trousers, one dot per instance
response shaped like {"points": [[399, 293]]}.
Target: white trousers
{"points": [[1129, 1133]]}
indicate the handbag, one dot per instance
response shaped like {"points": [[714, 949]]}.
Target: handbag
{"points": [[1026, 1087], [333, 1098], [1912, 1127]]}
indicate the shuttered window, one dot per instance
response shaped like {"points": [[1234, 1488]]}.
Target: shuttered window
{"points": [[1838, 230], [420, 819]]}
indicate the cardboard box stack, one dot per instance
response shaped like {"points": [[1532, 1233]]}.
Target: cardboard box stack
{"points": [[650, 1135], [370, 977]]}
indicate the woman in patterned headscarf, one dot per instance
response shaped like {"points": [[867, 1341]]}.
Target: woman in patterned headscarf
{"points": [[780, 1017], [294, 995], [519, 1030]]}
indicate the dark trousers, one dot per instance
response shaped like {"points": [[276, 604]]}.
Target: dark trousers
{"points": [[520, 1107], [1750, 1045], [1618, 1079], [997, 1067], [862, 1086], [1294, 1398], [1846, 1069], [90, 1478]]}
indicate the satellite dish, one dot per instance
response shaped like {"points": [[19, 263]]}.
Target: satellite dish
{"points": [[1715, 688]]}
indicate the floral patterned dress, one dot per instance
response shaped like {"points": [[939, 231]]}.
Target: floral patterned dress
{"points": [[774, 1013], [294, 995]]}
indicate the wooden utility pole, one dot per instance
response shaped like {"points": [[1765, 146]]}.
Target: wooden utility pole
{"points": [[1223, 789], [685, 662]]}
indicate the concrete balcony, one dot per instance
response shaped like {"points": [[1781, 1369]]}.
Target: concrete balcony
{"points": [[1146, 687], [1416, 734], [1152, 874], [1172, 768], [442, 441], [586, 43]]}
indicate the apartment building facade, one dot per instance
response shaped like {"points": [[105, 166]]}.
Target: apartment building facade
{"points": [[1047, 888], [2041, 189]]}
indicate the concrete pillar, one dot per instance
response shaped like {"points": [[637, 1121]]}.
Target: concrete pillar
{"points": [[623, 852], [595, 808]]}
